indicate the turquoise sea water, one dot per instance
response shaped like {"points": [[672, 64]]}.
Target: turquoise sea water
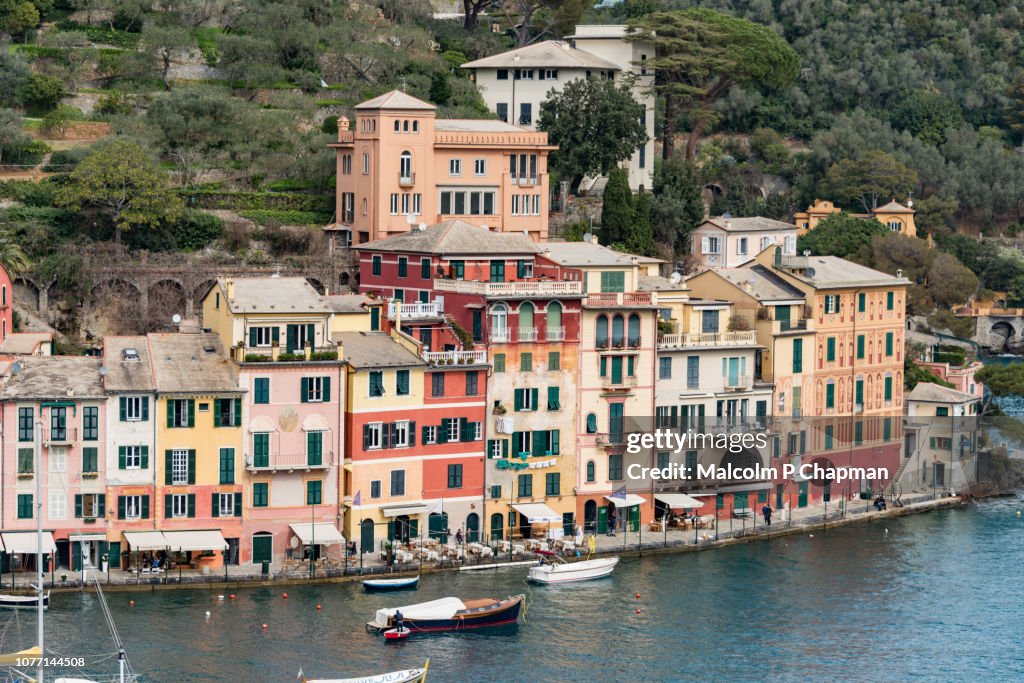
{"points": [[928, 597]]}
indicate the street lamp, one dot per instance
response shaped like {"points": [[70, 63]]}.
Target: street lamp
{"points": [[515, 77]]}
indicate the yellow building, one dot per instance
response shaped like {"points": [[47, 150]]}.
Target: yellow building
{"points": [[895, 216]]}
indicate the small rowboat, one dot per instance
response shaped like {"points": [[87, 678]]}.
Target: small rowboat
{"points": [[16, 601], [558, 570], [391, 584], [397, 634], [417, 675]]}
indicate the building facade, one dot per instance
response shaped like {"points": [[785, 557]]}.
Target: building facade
{"points": [[897, 217], [732, 242]]}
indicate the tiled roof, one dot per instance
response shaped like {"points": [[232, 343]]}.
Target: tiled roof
{"points": [[131, 371], [274, 295], [55, 378], [191, 363], [348, 303], [375, 350], [760, 282], [893, 207], [455, 236], [474, 126], [550, 54], [25, 342], [935, 393], [577, 254], [832, 271], [750, 224], [396, 99]]}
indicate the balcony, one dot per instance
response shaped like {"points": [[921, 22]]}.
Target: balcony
{"points": [[621, 300], [784, 326], [406, 179], [738, 382], [624, 383], [58, 437], [501, 336], [262, 354], [455, 357], [288, 462], [611, 439], [526, 181], [415, 311], [554, 334], [526, 334], [744, 338], [540, 288]]}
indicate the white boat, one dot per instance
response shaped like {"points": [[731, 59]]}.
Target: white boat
{"points": [[417, 675], [557, 570], [390, 584], [16, 601]]}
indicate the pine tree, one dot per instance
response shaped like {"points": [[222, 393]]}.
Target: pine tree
{"points": [[617, 208], [640, 239]]}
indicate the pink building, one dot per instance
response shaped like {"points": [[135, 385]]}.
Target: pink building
{"points": [[6, 304], [56, 403], [400, 166]]}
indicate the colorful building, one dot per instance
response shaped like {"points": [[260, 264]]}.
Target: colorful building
{"points": [[942, 438], [54, 405], [401, 166], [726, 242], [895, 216]]}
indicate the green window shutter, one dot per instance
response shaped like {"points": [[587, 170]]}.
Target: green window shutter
{"points": [[830, 349], [122, 457], [145, 507], [553, 403], [215, 504], [227, 465], [275, 335], [538, 438], [525, 362], [191, 412], [191, 505], [860, 346], [890, 300], [861, 299], [238, 412], [888, 388], [120, 507], [798, 355], [216, 412], [311, 336], [304, 390], [504, 448], [89, 459], [860, 391], [168, 464], [238, 504], [604, 366], [555, 446], [535, 396], [103, 505], [78, 505], [145, 457], [888, 343], [499, 362], [518, 399], [145, 408], [123, 404], [191, 466], [252, 337], [830, 395], [168, 506], [490, 448], [554, 360], [170, 412], [326, 397]]}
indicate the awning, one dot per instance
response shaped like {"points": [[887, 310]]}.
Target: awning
{"points": [[261, 424], [399, 510], [323, 533], [17, 543], [631, 500], [85, 538], [315, 423], [537, 512], [145, 540], [678, 501], [195, 540]]}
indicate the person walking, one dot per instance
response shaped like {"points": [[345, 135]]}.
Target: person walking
{"points": [[612, 519], [458, 536], [767, 512]]}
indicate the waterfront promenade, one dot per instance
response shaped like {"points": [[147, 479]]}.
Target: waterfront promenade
{"points": [[729, 531]]}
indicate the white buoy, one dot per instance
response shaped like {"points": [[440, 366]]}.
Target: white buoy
{"points": [[812, 535], [886, 531], [207, 614]]}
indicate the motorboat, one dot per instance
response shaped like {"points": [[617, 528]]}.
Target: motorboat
{"points": [[391, 584], [417, 675], [556, 570], [450, 614], [17, 601]]}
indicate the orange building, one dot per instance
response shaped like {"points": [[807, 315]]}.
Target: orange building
{"points": [[400, 165]]}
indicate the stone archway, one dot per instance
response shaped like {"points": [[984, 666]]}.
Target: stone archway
{"points": [[164, 299], [1002, 337], [115, 307]]}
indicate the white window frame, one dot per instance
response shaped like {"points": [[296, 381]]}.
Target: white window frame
{"points": [[58, 458], [227, 505], [765, 242], [394, 203], [58, 504], [536, 205], [741, 246], [430, 434], [133, 507], [526, 404], [179, 505], [455, 167], [366, 163], [480, 167], [714, 245], [453, 431], [314, 390], [789, 245], [133, 457], [133, 408], [401, 434], [179, 467], [417, 204], [264, 335], [93, 510], [496, 448], [528, 269], [378, 429], [831, 304], [405, 203], [515, 205], [526, 437], [478, 431], [895, 226]]}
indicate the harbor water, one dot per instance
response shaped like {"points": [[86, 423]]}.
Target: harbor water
{"points": [[926, 597]]}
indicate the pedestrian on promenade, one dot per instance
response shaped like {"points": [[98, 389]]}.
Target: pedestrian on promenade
{"points": [[611, 522], [767, 512], [458, 536]]}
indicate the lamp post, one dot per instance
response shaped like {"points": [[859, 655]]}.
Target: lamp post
{"points": [[40, 595], [515, 77]]}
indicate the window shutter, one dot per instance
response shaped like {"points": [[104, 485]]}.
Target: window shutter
{"points": [[120, 507], [191, 466], [538, 442], [385, 434], [412, 433], [122, 457], [215, 503], [145, 457], [103, 504], [518, 400], [123, 403], [803, 441], [170, 412], [310, 337], [216, 412], [191, 412], [423, 436], [252, 340], [168, 460], [534, 395], [275, 335], [504, 448], [238, 504], [366, 437], [464, 429], [326, 395], [168, 506], [78, 505], [145, 507], [292, 333], [555, 449], [304, 390], [191, 505], [238, 412], [705, 245], [442, 434], [145, 408]]}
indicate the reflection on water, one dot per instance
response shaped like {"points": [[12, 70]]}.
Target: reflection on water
{"points": [[929, 597]]}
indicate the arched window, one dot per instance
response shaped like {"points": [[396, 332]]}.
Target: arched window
{"points": [[415, 126], [895, 226], [553, 322], [527, 332], [472, 527], [499, 323], [397, 126], [634, 330], [602, 331], [497, 526], [405, 166], [591, 474], [405, 126], [618, 330], [591, 423]]}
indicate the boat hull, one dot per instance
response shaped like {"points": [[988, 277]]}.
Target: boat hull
{"points": [[588, 570], [23, 601], [500, 613], [391, 584]]}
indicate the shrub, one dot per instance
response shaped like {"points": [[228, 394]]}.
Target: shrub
{"points": [[272, 217], [114, 103], [60, 118], [42, 93], [330, 125], [65, 160], [324, 355], [243, 201], [28, 192], [196, 229]]}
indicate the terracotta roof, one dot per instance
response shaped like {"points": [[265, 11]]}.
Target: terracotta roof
{"points": [[453, 237], [550, 54], [191, 363], [375, 350], [396, 99], [935, 393], [128, 364], [55, 378], [893, 207]]}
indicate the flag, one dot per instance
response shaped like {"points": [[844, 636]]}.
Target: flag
{"points": [[358, 500], [619, 493]]}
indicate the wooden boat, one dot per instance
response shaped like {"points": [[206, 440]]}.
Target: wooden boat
{"points": [[450, 614], [391, 584], [16, 601], [397, 634], [417, 675], [557, 570]]}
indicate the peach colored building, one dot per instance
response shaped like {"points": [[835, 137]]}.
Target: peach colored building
{"points": [[399, 165], [724, 242], [895, 216]]}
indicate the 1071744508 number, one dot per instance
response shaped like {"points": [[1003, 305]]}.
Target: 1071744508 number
{"points": [[51, 661]]}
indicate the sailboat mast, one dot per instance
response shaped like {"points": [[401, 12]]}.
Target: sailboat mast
{"points": [[39, 547]]}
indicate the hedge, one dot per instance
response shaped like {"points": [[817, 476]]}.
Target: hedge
{"points": [[247, 201], [266, 217]]}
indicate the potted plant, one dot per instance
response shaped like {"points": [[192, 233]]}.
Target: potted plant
{"points": [[499, 409]]}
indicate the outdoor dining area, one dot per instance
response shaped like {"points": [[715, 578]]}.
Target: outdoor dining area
{"points": [[679, 511]]}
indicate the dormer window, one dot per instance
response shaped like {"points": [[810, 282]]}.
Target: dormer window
{"points": [[130, 355]]}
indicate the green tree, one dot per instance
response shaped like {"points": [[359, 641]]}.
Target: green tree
{"points": [[165, 46], [842, 235], [595, 124], [616, 208], [42, 92], [1014, 115], [17, 16], [927, 114], [872, 177], [12, 135], [1003, 380], [950, 282], [677, 204], [440, 90], [12, 256], [61, 118], [701, 55], [122, 181], [14, 75], [640, 235]]}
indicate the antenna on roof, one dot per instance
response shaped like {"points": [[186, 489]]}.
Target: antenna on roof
{"points": [[103, 371], [587, 237]]}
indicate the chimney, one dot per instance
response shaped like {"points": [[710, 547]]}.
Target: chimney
{"points": [[229, 285], [343, 125], [593, 239], [327, 290]]}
